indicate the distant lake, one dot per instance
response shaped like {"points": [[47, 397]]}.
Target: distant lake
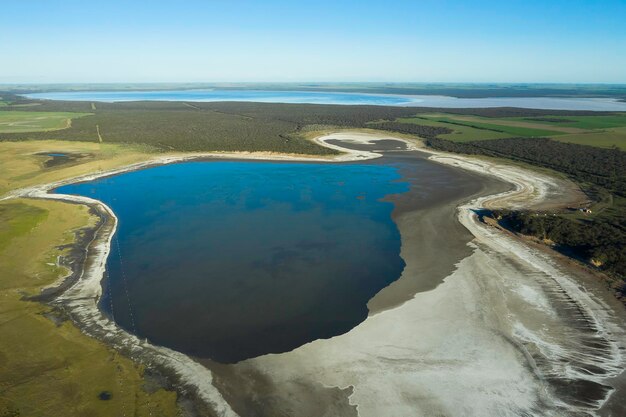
{"points": [[317, 97], [230, 260]]}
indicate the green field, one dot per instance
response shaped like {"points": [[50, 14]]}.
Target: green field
{"points": [[461, 133], [467, 129], [604, 139], [581, 122], [28, 121], [48, 367], [509, 131], [602, 131]]}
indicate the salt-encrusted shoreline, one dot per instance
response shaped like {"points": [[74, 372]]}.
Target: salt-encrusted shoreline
{"points": [[531, 189], [509, 333], [593, 352], [80, 300]]}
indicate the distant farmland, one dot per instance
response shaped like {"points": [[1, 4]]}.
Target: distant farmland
{"points": [[603, 131], [23, 121], [230, 126]]}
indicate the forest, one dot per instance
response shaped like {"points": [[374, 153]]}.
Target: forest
{"points": [[227, 126], [600, 242], [602, 167]]}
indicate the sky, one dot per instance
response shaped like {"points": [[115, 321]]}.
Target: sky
{"points": [[562, 41]]}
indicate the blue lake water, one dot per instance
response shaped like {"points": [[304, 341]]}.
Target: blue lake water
{"points": [[317, 97], [229, 260]]}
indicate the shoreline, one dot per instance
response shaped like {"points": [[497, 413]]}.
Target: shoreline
{"points": [[82, 296], [595, 310], [508, 333], [414, 100], [79, 296]]}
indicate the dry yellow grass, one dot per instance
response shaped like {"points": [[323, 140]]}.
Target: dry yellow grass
{"points": [[28, 121], [20, 166]]}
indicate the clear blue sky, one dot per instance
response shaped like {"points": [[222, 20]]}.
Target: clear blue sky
{"points": [[420, 40]]}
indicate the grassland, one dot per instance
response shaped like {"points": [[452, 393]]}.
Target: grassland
{"points": [[510, 129], [472, 128], [48, 367], [461, 133], [581, 122], [21, 121], [23, 163], [606, 139], [603, 131]]}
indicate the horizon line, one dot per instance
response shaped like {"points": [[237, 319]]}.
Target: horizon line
{"points": [[320, 82]]}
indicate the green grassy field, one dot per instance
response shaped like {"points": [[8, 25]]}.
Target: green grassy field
{"points": [[509, 131], [467, 129], [49, 368], [581, 122], [22, 121], [602, 131], [461, 133], [604, 139]]}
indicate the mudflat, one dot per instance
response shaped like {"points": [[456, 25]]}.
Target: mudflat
{"points": [[508, 332]]}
